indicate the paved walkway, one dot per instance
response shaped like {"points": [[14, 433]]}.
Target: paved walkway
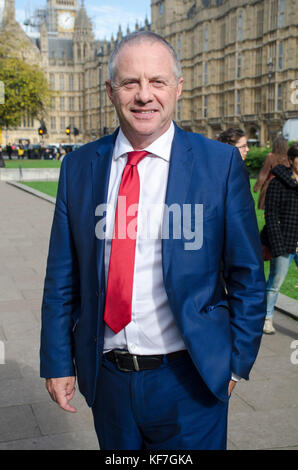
{"points": [[263, 411]]}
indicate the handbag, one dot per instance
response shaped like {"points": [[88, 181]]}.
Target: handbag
{"points": [[267, 253], [266, 250]]}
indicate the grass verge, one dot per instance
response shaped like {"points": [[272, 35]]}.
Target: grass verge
{"points": [[47, 187], [32, 163]]}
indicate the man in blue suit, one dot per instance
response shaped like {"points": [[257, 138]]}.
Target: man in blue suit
{"points": [[158, 324]]}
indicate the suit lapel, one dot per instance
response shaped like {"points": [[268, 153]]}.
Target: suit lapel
{"points": [[100, 170], [180, 171]]}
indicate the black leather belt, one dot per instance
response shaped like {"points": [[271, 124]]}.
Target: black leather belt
{"points": [[127, 362]]}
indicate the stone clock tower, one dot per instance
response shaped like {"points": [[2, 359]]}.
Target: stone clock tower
{"points": [[61, 17]]}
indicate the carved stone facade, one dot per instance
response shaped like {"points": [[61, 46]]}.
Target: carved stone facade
{"points": [[225, 47]]}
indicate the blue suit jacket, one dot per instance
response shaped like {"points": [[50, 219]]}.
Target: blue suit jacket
{"points": [[220, 325]]}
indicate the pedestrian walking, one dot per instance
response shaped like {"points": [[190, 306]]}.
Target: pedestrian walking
{"points": [[2, 163], [281, 230], [278, 156], [9, 151]]}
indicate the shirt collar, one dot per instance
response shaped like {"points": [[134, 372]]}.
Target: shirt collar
{"points": [[161, 147]]}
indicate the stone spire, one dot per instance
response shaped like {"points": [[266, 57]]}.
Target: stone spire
{"points": [[9, 14], [83, 35], [82, 22], [14, 39]]}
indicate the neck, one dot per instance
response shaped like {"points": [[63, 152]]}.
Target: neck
{"points": [[139, 142]]}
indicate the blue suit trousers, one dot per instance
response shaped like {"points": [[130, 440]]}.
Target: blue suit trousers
{"points": [[168, 408]]}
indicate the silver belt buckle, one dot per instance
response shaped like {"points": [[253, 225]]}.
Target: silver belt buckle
{"points": [[135, 363], [125, 353]]}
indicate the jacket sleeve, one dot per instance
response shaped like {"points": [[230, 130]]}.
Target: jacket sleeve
{"points": [[61, 299], [243, 269], [272, 211]]}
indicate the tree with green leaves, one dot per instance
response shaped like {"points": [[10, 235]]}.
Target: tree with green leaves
{"points": [[27, 91]]}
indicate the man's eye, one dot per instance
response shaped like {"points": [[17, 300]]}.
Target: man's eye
{"points": [[157, 83], [129, 84]]}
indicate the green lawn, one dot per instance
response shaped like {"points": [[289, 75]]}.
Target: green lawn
{"points": [[288, 287], [32, 163], [47, 187]]}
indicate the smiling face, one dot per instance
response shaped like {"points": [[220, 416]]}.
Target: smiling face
{"points": [[144, 91]]}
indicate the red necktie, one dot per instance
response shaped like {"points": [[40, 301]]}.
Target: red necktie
{"points": [[121, 268]]}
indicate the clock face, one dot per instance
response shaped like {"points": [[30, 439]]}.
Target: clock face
{"points": [[66, 21]]}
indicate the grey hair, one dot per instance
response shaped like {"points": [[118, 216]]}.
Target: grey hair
{"points": [[136, 38]]}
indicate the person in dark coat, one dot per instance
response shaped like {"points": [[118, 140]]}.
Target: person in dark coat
{"points": [[281, 229], [9, 151], [2, 164], [278, 156]]}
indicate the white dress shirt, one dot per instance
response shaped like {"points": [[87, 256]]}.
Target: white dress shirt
{"points": [[152, 329]]}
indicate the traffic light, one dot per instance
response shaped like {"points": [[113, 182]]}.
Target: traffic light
{"points": [[42, 130], [76, 131], [68, 131]]}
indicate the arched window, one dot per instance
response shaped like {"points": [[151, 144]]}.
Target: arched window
{"points": [[282, 13], [239, 66], [206, 74], [206, 38], [240, 27]]}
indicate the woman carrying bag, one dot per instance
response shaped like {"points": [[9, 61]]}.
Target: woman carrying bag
{"points": [[278, 156], [281, 230]]}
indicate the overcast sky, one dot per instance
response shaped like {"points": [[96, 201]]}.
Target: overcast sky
{"points": [[105, 15]]}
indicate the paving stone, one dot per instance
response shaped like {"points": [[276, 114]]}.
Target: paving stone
{"points": [[9, 370], [271, 429], [262, 396], [21, 391], [53, 420], [2, 334], [279, 365], [75, 440], [17, 422]]}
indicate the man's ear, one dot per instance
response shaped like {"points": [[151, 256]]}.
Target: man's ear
{"points": [[109, 89], [179, 88]]}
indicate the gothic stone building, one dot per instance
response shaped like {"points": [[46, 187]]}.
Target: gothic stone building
{"points": [[239, 62]]}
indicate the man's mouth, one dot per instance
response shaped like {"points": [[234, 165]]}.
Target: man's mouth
{"points": [[143, 111], [143, 114]]}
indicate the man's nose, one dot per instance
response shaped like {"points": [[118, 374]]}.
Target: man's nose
{"points": [[144, 93]]}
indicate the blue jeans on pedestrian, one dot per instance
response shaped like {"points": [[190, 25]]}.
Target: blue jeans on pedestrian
{"points": [[279, 268]]}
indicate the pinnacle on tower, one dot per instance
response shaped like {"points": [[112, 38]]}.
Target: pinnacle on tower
{"points": [[9, 15]]}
